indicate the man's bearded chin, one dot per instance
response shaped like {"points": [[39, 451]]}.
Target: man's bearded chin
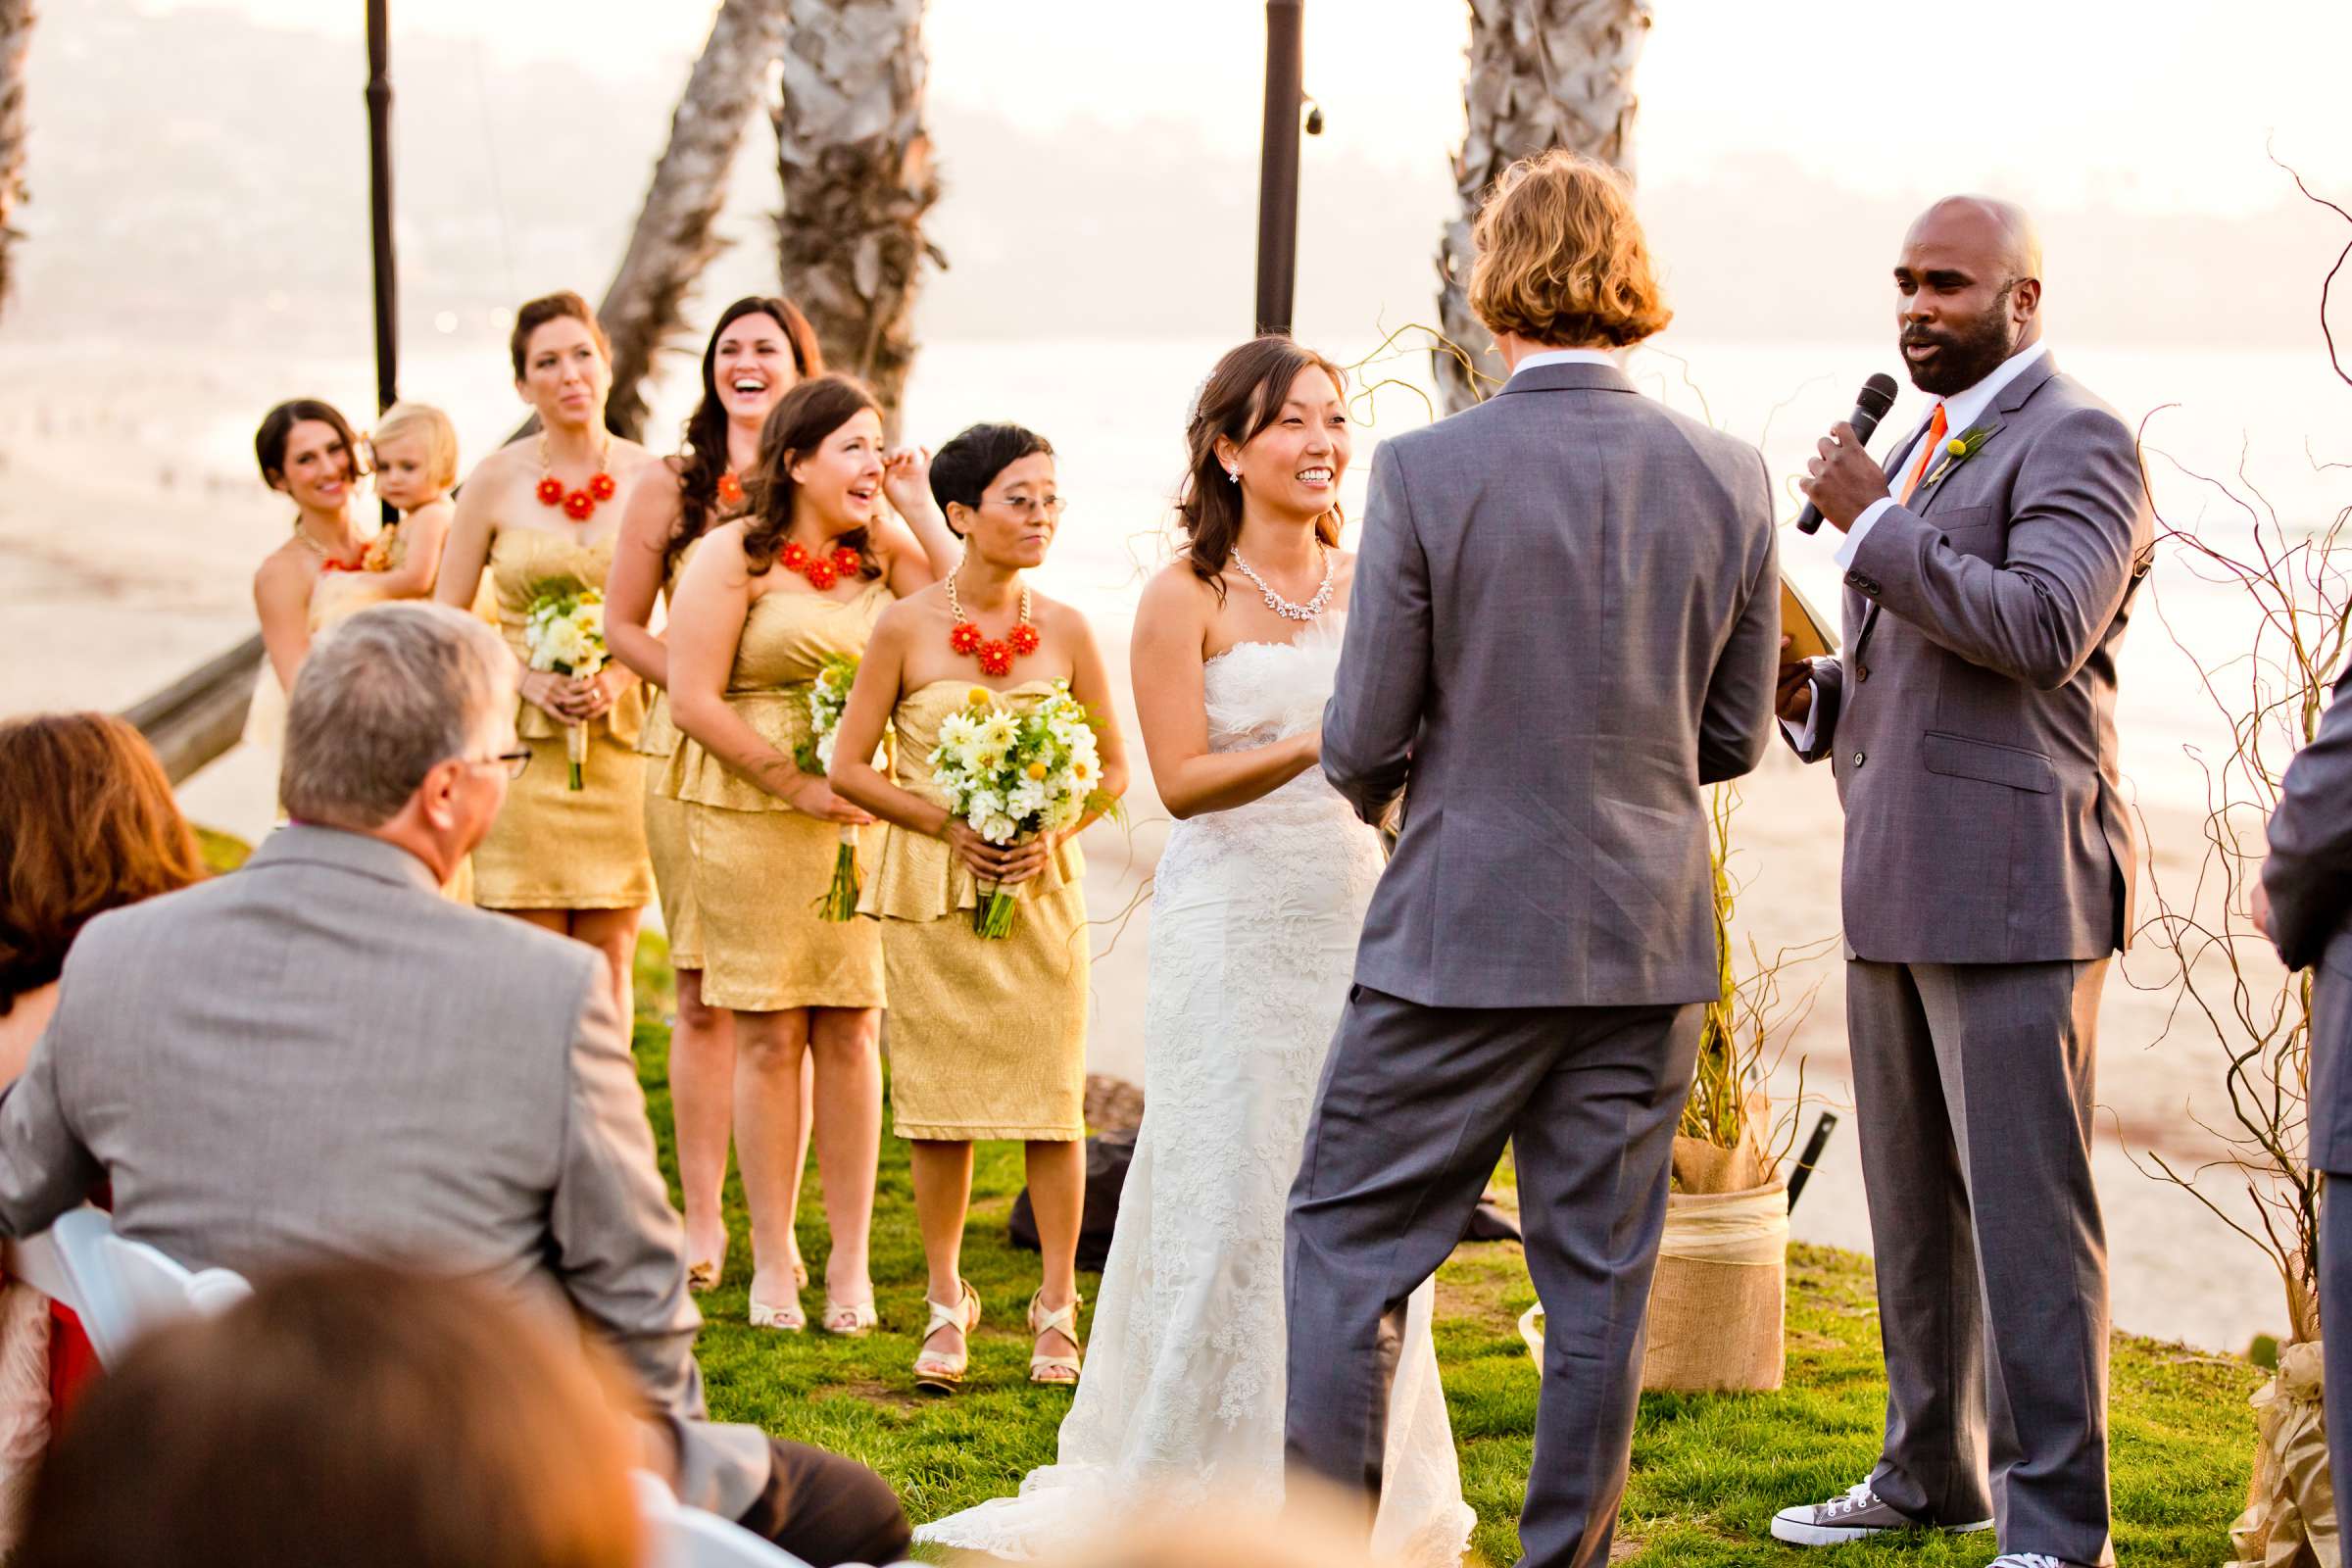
{"points": [[1968, 356]]}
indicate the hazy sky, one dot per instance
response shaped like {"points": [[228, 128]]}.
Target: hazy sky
{"points": [[2158, 107]]}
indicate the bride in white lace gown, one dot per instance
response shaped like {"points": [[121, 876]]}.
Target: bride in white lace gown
{"points": [[1256, 908]]}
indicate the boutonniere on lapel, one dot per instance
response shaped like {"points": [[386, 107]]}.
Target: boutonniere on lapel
{"points": [[1958, 450]]}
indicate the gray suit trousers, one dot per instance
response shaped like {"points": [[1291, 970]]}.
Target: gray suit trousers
{"points": [[1415, 1107], [1973, 1090]]}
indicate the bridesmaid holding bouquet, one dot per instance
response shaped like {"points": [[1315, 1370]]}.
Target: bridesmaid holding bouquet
{"points": [[769, 602], [988, 1035], [543, 514]]}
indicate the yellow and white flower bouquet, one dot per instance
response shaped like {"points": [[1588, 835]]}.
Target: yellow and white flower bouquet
{"points": [[564, 633], [1012, 776]]}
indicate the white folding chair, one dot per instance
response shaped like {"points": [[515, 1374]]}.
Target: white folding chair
{"points": [[120, 1289], [682, 1536]]}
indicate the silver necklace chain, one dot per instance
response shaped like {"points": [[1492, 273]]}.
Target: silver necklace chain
{"points": [[1286, 609]]}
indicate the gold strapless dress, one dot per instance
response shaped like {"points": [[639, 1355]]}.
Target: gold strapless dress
{"points": [[987, 1038], [760, 868], [665, 815], [554, 847]]}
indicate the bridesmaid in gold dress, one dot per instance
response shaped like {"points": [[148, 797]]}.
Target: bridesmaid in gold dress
{"points": [[570, 861], [987, 1038], [760, 349], [766, 602], [307, 452]]}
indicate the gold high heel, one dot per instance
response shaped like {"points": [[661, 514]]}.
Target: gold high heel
{"points": [[935, 1373]]}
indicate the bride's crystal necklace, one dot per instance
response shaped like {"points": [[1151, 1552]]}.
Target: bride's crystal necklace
{"points": [[1285, 607]]}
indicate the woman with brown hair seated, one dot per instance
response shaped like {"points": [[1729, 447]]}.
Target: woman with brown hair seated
{"points": [[88, 824], [354, 1414]]}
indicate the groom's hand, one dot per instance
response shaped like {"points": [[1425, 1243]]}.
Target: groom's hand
{"points": [[1793, 697]]}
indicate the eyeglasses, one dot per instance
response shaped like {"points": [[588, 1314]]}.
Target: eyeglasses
{"points": [[514, 762], [1030, 506]]}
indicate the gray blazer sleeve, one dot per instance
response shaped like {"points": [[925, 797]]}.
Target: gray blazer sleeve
{"points": [[618, 1249], [2038, 616], [1735, 724], [1374, 708], [44, 1167], [2309, 872]]}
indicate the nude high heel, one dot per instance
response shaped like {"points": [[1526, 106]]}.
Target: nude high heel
{"points": [[935, 1373], [1059, 1370]]}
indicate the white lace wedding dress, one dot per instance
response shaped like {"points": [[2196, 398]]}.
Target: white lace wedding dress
{"points": [[1254, 917]]}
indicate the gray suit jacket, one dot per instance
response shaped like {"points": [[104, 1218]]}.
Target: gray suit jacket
{"points": [[1970, 718], [320, 1057], [2309, 878], [1565, 620]]}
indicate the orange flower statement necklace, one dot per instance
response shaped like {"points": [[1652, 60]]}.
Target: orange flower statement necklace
{"points": [[578, 505], [995, 656], [823, 571]]}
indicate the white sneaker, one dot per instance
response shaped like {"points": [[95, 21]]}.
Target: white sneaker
{"points": [[1859, 1513], [2026, 1559]]}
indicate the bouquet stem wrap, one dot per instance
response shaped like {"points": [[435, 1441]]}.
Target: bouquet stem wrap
{"points": [[575, 753]]}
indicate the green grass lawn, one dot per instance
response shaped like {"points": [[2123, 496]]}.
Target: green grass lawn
{"points": [[1709, 1470]]}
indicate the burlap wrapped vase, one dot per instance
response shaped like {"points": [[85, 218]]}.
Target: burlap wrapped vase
{"points": [[2289, 1520]]}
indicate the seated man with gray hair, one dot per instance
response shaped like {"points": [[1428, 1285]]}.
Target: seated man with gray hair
{"points": [[319, 1056]]}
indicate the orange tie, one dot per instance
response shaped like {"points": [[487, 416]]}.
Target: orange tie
{"points": [[1927, 450]]}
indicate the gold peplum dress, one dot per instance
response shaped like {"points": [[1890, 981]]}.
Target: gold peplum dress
{"points": [[987, 1038], [665, 814], [760, 868], [554, 847]]}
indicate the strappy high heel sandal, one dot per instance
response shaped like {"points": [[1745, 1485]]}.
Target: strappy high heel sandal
{"points": [[785, 1317], [852, 1320], [1058, 1370], [935, 1373]]}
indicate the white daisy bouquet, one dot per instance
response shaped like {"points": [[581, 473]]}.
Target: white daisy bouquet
{"points": [[564, 633], [828, 697], [1013, 775]]}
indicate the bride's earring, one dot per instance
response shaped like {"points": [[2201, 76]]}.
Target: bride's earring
{"points": [[1235, 475]]}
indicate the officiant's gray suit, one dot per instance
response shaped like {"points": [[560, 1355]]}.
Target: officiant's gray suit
{"points": [[2309, 879], [1565, 622], [319, 1056], [1989, 867]]}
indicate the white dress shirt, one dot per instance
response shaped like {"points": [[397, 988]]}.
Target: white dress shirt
{"points": [[1566, 357], [1961, 411]]}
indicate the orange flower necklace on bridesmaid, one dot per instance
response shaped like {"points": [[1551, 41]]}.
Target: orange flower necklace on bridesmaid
{"points": [[995, 656], [578, 505], [823, 571]]}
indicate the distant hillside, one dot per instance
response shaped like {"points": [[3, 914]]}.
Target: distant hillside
{"points": [[196, 176]]}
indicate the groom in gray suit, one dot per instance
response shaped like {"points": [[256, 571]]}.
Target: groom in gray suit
{"points": [[1970, 721], [1564, 623]]}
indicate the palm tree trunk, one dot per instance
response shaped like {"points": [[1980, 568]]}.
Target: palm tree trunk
{"points": [[16, 47], [855, 162], [1544, 74], [674, 240]]}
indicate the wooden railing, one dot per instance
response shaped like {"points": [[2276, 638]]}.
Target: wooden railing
{"points": [[201, 715]]}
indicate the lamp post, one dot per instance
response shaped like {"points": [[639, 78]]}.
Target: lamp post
{"points": [[379, 200], [1278, 166]]}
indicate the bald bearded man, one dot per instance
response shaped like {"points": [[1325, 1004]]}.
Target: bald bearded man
{"points": [[1970, 721]]}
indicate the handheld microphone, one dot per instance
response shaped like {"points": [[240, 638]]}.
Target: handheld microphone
{"points": [[1870, 406]]}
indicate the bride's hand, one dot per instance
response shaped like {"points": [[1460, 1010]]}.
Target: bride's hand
{"points": [[1310, 744]]}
